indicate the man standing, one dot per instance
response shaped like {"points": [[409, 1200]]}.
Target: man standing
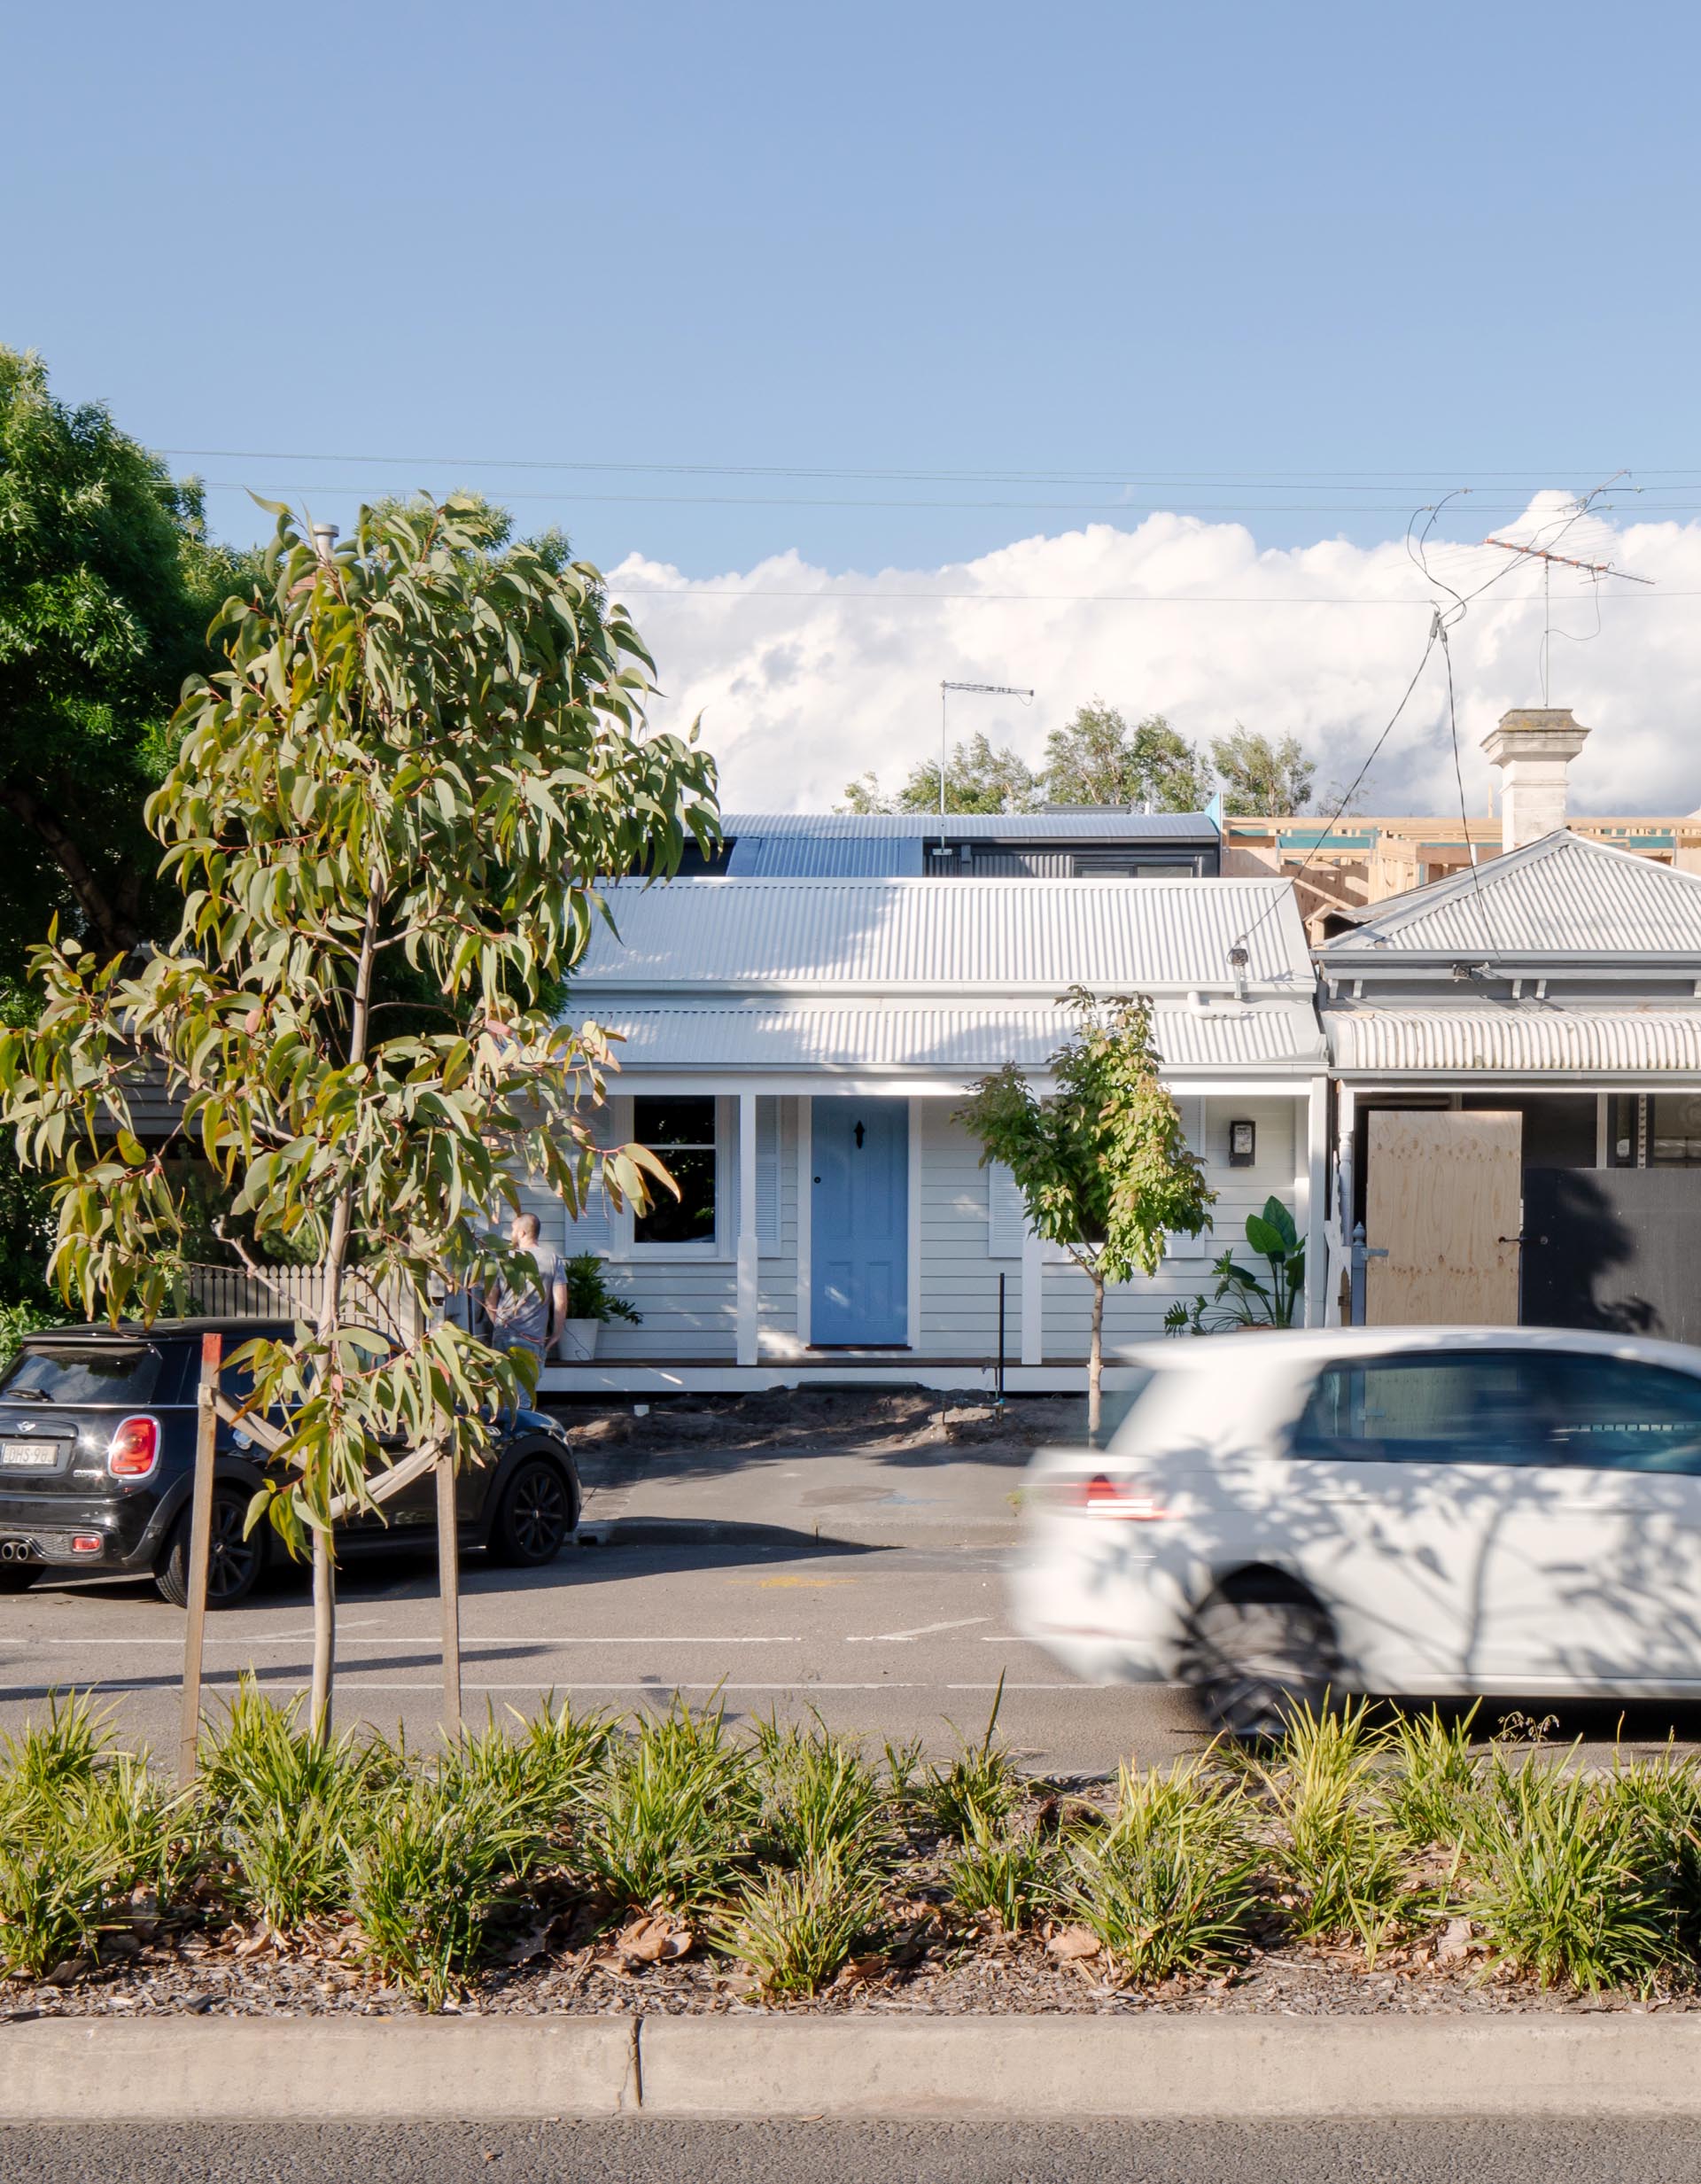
{"points": [[531, 1317]]}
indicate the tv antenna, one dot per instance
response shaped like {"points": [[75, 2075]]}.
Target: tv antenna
{"points": [[980, 689], [1594, 569]]}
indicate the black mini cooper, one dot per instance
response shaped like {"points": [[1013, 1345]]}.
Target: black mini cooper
{"points": [[98, 1456]]}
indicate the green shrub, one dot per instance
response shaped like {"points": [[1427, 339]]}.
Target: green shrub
{"points": [[795, 1927], [291, 1805], [980, 1784], [819, 1797], [58, 1886], [1337, 1854], [1661, 1800], [546, 1773], [1171, 1886], [46, 1759], [78, 1844], [1562, 1881], [1013, 1874], [428, 1872], [1436, 1777], [670, 1819]]}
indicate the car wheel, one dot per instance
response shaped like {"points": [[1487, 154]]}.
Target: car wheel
{"points": [[535, 1517], [233, 1565], [1256, 1655]]}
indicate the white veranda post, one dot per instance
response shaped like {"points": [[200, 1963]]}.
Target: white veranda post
{"points": [[748, 1247]]}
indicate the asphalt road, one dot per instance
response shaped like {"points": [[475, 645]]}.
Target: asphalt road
{"points": [[887, 1642], [891, 1643], [774, 2153]]}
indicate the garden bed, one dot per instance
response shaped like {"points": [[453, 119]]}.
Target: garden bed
{"points": [[570, 1865]]}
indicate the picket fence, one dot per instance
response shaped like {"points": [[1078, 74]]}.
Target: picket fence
{"points": [[295, 1292]]}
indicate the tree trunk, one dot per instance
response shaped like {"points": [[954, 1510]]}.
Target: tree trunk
{"points": [[112, 933], [1096, 1359], [324, 1580]]}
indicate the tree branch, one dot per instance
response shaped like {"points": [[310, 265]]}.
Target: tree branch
{"points": [[117, 935]]}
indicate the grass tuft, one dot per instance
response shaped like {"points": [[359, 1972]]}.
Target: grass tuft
{"points": [[820, 1798], [668, 1822], [981, 1786], [1012, 1875], [1171, 1886], [428, 1873], [1338, 1856], [1560, 1882], [795, 1928]]}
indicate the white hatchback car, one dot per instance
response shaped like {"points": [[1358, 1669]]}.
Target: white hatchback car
{"points": [[1422, 1511]]}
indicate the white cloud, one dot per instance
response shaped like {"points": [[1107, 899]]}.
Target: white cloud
{"points": [[805, 678]]}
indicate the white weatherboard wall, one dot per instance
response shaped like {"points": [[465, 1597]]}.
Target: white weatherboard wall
{"points": [[968, 1239], [959, 1277], [1135, 1310]]}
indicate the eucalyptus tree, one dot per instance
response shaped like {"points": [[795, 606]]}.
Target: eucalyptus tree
{"points": [[1102, 1161], [420, 751]]}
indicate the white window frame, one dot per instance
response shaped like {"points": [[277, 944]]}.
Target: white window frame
{"points": [[624, 1245]]}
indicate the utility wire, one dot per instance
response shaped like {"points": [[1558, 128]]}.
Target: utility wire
{"points": [[1133, 472]]}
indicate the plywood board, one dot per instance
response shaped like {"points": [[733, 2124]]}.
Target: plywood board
{"points": [[1444, 1200]]}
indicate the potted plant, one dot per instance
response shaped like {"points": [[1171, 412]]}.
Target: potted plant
{"points": [[591, 1305]]}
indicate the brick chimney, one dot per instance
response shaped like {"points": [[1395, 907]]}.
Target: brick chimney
{"points": [[1532, 746]]}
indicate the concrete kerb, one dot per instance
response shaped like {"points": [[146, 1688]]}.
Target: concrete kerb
{"points": [[107, 2070]]}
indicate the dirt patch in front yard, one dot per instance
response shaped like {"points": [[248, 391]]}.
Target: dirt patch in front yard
{"points": [[824, 1419]]}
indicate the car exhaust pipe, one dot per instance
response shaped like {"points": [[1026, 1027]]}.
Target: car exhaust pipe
{"points": [[14, 1551]]}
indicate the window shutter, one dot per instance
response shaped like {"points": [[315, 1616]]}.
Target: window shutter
{"points": [[1006, 1218], [767, 1174]]}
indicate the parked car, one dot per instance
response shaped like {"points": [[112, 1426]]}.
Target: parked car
{"points": [[97, 1455], [1429, 1511]]}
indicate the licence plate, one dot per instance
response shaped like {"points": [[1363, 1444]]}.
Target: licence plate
{"points": [[28, 1455]]}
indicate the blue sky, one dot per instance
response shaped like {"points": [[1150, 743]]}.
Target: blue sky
{"points": [[1299, 268], [1169, 252]]}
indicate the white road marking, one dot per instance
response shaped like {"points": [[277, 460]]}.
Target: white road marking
{"points": [[422, 1637], [657, 1688], [923, 1631]]}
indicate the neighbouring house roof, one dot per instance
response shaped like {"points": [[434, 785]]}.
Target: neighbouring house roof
{"points": [[973, 936], [1520, 1037], [809, 1034], [1562, 898], [826, 857], [1060, 825]]}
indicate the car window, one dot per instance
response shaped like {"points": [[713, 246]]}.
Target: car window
{"points": [[1439, 1406], [124, 1376], [1618, 1414]]}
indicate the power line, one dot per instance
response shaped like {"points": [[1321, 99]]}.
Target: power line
{"points": [[1262, 480], [573, 496], [687, 593]]}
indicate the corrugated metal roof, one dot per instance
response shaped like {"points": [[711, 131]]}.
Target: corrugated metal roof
{"points": [[1089, 825], [826, 857], [1562, 896], [817, 1035], [1521, 1037], [984, 934]]}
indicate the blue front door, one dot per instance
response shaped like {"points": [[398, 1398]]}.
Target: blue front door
{"points": [[859, 1228]]}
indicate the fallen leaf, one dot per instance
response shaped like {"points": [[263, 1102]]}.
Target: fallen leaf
{"points": [[645, 1942], [1072, 1942]]}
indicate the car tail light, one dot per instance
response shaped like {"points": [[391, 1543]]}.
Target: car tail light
{"points": [[1100, 1496], [135, 1449], [85, 1543]]}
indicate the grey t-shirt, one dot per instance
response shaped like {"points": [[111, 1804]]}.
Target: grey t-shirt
{"points": [[523, 1314]]}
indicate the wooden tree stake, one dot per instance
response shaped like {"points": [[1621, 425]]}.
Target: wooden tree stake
{"points": [[448, 1585], [201, 1550]]}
